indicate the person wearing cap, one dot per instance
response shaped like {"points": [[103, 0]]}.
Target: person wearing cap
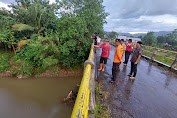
{"points": [[94, 37], [106, 48], [123, 48], [135, 59], [129, 48], [117, 59]]}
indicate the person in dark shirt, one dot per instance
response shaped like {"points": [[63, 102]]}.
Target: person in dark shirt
{"points": [[135, 59], [94, 37]]}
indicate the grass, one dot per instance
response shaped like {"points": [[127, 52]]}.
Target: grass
{"points": [[4, 60], [102, 109], [164, 59]]}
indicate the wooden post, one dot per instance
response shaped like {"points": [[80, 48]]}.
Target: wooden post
{"points": [[173, 65], [153, 55]]}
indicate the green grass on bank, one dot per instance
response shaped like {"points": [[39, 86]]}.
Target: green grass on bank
{"points": [[102, 109], [4, 60], [164, 59], [165, 55], [15, 67]]}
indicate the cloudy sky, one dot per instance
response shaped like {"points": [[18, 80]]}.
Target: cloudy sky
{"points": [[136, 15]]}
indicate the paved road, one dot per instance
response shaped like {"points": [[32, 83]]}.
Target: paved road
{"points": [[152, 95]]}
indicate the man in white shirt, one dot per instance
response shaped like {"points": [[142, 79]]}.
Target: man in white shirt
{"points": [[98, 40]]}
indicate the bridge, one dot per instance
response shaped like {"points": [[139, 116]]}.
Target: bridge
{"points": [[151, 95]]}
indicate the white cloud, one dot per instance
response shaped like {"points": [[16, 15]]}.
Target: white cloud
{"points": [[166, 19], [141, 15], [4, 5]]}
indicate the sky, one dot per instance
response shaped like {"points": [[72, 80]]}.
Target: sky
{"points": [[136, 16]]}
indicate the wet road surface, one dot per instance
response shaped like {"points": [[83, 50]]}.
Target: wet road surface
{"points": [[153, 94]]}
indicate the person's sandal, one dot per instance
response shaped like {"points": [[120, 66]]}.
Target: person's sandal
{"points": [[129, 75], [99, 69], [132, 78]]}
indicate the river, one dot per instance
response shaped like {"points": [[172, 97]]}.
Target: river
{"points": [[35, 98]]}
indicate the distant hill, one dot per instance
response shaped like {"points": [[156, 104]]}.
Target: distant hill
{"points": [[164, 33], [156, 34]]}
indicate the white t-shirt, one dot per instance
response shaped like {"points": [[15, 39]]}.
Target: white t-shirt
{"points": [[98, 39]]}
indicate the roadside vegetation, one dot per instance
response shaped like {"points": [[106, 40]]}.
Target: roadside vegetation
{"points": [[168, 42], [37, 34], [161, 56], [102, 109]]}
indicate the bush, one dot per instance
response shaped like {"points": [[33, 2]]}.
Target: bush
{"points": [[4, 60]]}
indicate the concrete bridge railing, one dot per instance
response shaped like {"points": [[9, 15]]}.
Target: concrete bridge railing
{"points": [[85, 100]]}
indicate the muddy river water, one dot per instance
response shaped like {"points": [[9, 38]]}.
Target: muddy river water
{"points": [[36, 98]]}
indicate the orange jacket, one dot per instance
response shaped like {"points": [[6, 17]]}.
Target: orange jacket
{"points": [[118, 54]]}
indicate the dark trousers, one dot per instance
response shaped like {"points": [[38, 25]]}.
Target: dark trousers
{"points": [[127, 55], [115, 70], [133, 69]]}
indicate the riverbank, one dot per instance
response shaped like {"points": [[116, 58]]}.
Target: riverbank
{"points": [[12, 67], [52, 72]]}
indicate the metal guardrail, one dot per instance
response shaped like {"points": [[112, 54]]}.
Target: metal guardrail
{"points": [[80, 109], [154, 54]]}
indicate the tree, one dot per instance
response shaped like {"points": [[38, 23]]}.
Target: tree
{"points": [[59, 32], [113, 35], [36, 13], [91, 11], [161, 39], [149, 39]]}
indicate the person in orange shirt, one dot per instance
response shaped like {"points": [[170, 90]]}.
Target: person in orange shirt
{"points": [[117, 59]]}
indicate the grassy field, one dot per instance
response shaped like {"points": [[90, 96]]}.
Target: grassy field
{"points": [[164, 57]]}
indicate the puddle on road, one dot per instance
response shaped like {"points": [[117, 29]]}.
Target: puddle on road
{"points": [[35, 98]]}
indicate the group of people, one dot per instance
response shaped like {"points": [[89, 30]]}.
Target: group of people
{"points": [[122, 48]]}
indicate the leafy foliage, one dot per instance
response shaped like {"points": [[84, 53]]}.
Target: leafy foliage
{"points": [[149, 39], [22, 27], [112, 35], [167, 42], [54, 34]]}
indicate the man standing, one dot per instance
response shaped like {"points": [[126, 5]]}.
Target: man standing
{"points": [[98, 40], [106, 48], [129, 48], [123, 48], [135, 59], [117, 59], [94, 37]]}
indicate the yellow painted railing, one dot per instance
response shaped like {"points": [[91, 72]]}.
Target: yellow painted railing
{"points": [[80, 109]]}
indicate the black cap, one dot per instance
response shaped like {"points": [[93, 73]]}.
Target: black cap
{"points": [[122, 40], [140, 42], [117, 40], [130, 40]]}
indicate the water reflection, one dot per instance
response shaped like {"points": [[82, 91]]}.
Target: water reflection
{"points": [[128, 88], [149, 68], [35, 98]]}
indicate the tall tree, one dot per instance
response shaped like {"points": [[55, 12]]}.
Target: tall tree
{"points": [[91, 11], [149, 39]]}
